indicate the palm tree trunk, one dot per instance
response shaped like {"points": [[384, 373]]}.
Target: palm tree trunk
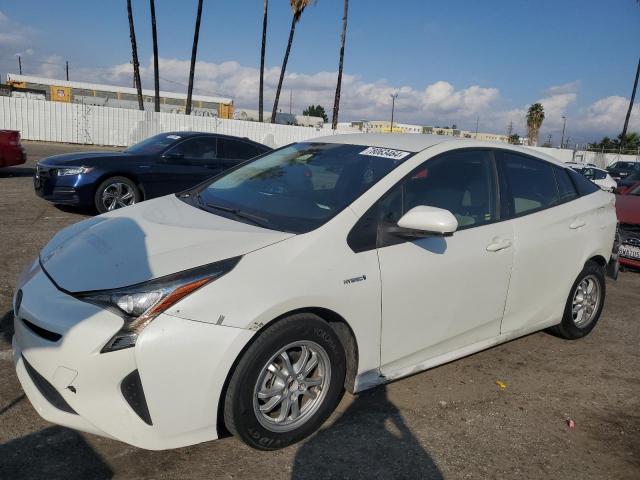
{"points": [[156, 74], [284, 67], [134, 56], [194, 51], [262, 53], [336, 100], [623, 137]]}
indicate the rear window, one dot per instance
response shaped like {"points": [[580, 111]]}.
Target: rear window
{"points": [[583, 185]]}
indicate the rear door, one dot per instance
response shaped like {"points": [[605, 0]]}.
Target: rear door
{"points": [[549, 227], [232, 152]]}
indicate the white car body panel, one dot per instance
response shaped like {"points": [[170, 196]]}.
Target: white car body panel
{"points": [[399, 301]]}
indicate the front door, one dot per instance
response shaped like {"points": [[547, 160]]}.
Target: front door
{"points": [[441, 294]]}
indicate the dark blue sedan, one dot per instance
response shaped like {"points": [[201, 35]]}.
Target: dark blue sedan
{"points": [[160, 165]]}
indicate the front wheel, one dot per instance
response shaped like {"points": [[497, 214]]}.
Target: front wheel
{"points": [[287, 383], [116, 192], [584, 304]]}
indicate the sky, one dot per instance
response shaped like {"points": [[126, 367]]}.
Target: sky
{"points": [[450, 62]]}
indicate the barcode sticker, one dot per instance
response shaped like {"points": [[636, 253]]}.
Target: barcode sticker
{"points": [[385, 153]]}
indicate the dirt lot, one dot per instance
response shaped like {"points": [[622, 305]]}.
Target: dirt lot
{"points": [[450, 422]]}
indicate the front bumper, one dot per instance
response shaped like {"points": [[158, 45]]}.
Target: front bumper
{"points": [[66, 190], [181, 368]]}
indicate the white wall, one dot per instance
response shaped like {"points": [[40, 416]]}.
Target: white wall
{"points": [[96, 125]]}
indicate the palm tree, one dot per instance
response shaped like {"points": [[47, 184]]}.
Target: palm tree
{"points": [[156, 74], [297, 7], [134, 56], [194, 51], [343, 35], [262, 51], [535, 117], [623, 136]]}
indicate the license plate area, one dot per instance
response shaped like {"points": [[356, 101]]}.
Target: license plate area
{"points": [[629, 251]]}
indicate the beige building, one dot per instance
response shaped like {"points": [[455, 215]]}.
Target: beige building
{"points": [[384, 126]]}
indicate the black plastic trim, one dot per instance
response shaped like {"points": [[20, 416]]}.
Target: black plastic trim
{"points": [[133, 393], [47, 390]]}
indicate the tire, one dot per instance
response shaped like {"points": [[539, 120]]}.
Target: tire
{"points": [[576, 326], [271, 430], [123, 192]]}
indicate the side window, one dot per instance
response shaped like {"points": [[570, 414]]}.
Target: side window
{"points": [[588, 173], [532, 183], [236, 150], [462, 182], [197, 150], [566, 189], [584, 186], [599, 174]]}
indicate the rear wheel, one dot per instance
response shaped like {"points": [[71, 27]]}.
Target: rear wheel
{"points": [[287, 383], [584, 304], [116, 192]]}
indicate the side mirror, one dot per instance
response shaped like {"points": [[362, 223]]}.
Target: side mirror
{"points": [[422, 221]]}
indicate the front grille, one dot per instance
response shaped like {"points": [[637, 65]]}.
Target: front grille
{"points": [[131, 388], [47, 390], [42, 332]]}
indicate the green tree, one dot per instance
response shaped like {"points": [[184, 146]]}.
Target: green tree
{"points": [[297, 7], [316, 111], [630, 145], [535, 117], [514, 139], [134, 56], [194, 51], [343, 36]]}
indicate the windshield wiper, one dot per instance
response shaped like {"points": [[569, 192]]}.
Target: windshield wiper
{"points": [[255, 219]]}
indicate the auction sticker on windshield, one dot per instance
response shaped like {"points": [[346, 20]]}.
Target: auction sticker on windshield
{"points": [[385, 153]]}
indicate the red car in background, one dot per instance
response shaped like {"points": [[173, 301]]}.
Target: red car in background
{"points": [[11, 152], [628, 211]]}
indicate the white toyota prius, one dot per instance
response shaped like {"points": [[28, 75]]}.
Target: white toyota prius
{"points": [[250, 303]]}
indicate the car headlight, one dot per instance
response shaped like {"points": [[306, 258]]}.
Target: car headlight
{"points": [[62, 172], [139, 304]]}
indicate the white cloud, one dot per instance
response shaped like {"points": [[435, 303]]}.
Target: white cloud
{"points": [[607, 115]]}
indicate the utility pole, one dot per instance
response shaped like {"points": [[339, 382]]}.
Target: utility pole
{"points": [[393, 107], [19, 64], [477, 123], [563, 127], [549, 140], [623, 136], [66, 68], [510, 129]]}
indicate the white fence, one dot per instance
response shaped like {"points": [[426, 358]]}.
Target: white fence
{"points": [[95, 125]]}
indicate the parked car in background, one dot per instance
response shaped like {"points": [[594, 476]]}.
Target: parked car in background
{"points": [[251, 302], [629, 181], [597, 175], [622, 169], [628, 211], [162, 164], [11, 151]]}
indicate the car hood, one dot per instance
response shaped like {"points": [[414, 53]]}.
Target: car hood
{"points": [[146, 241], [82, 158], [628, 209]]}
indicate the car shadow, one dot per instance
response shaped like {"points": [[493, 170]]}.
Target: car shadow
{"points": [[6, 327], [369, 440], [9, 172], [88, 211], [49, 454]]}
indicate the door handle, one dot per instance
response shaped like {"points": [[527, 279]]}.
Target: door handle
{"points": [[498, 245], [577, 223]]}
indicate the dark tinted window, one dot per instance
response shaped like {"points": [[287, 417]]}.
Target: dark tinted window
{"points": [[566, 189], [197, 150], [153, 145], [583, 185], [461, 182], [531, 181], [236, 150], [599, 174]]}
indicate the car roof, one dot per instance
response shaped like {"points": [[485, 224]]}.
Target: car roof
{"points": [[192, 133], [417, 142]]}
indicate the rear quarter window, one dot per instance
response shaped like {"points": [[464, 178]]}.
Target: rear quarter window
{"points": [[583, 185]]}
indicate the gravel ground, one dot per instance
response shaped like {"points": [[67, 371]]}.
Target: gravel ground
{"points": [[447, 423]]}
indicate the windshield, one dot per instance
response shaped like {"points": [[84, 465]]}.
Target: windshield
{"points": [[623, 165], [155, 144], [299, 187]]}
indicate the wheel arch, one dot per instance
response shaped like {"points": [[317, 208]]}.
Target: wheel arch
{"points": [[599, 259], [117, 173], [335, 320]]}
